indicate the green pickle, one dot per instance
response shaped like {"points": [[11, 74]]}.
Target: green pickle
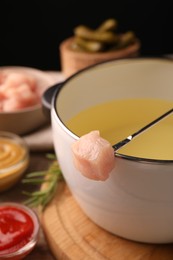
{"points": [[90, 46], [104, 38], [95, 35], [108, 25]]}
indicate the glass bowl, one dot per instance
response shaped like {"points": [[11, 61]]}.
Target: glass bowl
{"points": [[22, 224], [14, 159]]}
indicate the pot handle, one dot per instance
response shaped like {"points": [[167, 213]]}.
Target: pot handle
{"points": [[47, 99]]}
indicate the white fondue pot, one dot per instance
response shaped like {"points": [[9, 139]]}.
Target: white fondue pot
{"points": [[136, 201]]}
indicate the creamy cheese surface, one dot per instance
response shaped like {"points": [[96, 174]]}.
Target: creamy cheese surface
{"points": [[118, 119]]}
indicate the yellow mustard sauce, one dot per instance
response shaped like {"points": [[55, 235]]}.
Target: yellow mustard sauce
{"points": [[14, 160]]}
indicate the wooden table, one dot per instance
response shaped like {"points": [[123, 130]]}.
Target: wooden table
{"points": [[93, 240], [38, 162]]}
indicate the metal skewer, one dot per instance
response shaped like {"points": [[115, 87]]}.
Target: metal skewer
{"points": [[130, 137]]}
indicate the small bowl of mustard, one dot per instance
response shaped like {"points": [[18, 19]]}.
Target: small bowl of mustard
{"points": [[14, 159]]}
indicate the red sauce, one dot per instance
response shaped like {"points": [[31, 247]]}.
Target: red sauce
{"points": [[16, 229]]}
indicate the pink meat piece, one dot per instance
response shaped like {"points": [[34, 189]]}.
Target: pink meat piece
{"points": [[2, 95], [20, 97], [15, 79], [12, 104], [1, 106], [27, 97], [17, 91], [93, 156], [2, 77], [23, 91]]}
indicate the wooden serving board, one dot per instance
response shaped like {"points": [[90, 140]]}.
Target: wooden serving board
{"points": [[72, 235]]}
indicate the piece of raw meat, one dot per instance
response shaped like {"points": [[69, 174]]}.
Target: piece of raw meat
{"points": [[17, 91], [93, 156]]}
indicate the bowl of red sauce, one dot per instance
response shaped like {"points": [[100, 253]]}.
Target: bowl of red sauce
{"points": [[19, 230]]}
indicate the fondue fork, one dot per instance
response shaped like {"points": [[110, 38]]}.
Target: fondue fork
{"points": [[130, 137]]}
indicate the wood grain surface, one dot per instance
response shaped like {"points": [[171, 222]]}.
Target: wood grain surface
{"points": [[72, 235]]}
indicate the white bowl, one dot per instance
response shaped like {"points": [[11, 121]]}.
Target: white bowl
{"points": [[136, 201], [28, 119]]}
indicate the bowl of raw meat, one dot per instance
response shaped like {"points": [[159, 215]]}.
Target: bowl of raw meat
{"points": [[21, 89]]}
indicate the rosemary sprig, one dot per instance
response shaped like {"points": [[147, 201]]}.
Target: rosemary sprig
{"points": [[48, 180]]}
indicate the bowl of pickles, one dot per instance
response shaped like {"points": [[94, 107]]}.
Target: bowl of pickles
{"points": [[89, 46]]}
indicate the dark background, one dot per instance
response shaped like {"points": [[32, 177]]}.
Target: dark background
{"points": [[31, 31]]}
